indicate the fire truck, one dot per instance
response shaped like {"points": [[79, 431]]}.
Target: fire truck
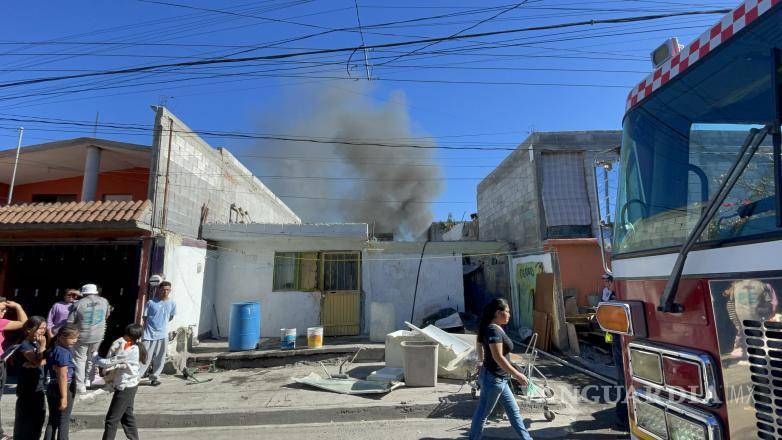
{"points": [[697, 239]]}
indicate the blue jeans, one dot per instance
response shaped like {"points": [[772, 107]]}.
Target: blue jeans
{"points": [[494, 388]]}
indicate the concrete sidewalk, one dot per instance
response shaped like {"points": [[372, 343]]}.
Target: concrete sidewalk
{"points": [[268, 396]]}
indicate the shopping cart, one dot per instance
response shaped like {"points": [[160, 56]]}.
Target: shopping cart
{"points": [[535, 394]]}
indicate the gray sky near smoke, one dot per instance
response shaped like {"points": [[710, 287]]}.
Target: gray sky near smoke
{"points": [[380, 175]]}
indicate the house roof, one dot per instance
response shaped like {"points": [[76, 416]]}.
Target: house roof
{"points": [[63, 159], [114, 212]]}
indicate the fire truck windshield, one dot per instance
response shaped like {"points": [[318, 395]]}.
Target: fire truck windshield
{"points": [[680, 142]]}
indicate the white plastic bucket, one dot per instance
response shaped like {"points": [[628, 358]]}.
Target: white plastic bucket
{"points": [[315, 337], [287, 338]]}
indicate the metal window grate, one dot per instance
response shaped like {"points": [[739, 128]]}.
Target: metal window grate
{"points": [[764, 349]]}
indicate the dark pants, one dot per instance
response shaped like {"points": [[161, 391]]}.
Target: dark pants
{"points": [[59, 421], [30, 415], [121, 410]]}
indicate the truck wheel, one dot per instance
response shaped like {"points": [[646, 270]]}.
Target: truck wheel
{"points": [[549, 415]]}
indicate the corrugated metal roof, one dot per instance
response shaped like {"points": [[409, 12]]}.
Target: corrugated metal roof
{"points": [[113, 211]]}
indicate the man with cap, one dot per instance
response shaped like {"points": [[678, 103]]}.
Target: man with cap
{"points": [[89, 314]]}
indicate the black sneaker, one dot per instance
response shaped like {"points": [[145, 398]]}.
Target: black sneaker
{"points": [[155, 383]]}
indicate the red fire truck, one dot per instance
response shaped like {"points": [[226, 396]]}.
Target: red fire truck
{"points": [[697, 242]]}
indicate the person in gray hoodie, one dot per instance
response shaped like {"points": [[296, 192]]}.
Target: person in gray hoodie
{"points": [[89, 314]]}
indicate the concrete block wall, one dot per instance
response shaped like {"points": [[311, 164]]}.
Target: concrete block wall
{"points": [[200, 175], [509, 202]]}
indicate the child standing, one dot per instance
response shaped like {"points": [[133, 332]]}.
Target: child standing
{"points": [[126, 355], [30, 395], [58, 315], [62, 388]]}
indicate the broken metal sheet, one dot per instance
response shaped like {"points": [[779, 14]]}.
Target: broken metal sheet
{"points": [[443, 338], [347, 386], [452, 321], [387, 374]]}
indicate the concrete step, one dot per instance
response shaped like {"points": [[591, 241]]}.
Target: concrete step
{"points": [[231, 360]]}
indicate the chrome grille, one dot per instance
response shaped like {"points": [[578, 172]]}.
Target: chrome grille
{"points": [[764, 350]]}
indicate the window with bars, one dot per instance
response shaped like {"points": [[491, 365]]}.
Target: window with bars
{"points": [[296, 271], [309, 271]]}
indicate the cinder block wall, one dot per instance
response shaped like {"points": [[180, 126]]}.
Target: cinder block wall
{"points": [[199, 174], [509, 202]]}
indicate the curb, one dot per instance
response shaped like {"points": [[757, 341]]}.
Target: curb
{"points": [[285, 416], [460, 408]]}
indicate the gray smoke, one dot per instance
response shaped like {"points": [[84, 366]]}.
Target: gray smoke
{"points": [[394, 181]]}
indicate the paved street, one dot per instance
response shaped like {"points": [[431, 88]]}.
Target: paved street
{"points": [[431, 429], [266, 402], [263, 402]]}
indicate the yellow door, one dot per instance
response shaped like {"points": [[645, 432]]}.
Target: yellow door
{"points": [[340, 312]]}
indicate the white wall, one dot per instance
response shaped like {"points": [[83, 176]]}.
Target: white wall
{"points": [[245, 272], [389, 277], [184, 267]]}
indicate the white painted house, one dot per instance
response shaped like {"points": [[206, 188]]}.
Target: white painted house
{"points": [[329, 275]]}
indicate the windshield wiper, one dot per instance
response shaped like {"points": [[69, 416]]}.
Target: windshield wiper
{"points": [[754, 138]]}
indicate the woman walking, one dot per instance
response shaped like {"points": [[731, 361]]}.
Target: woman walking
{"points": [[30, 392], [62, 388], [493, 348], [126, 355]]}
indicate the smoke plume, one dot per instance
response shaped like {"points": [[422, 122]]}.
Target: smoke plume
{"points": [[386, 187]]}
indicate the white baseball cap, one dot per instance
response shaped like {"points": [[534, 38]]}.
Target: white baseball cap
{"points": [[89, 289]]}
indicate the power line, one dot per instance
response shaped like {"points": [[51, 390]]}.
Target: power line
{"points": [[353, 48], [517, 5]]}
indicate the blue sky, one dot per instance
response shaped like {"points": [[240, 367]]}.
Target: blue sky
{"points": [[482, 98]]}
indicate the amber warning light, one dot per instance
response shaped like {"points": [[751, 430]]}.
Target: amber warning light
{"points": [[623, 317]]}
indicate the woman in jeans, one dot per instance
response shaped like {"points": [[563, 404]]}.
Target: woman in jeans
{"points": [[493, 348]]}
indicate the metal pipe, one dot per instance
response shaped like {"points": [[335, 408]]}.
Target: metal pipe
{"points": [[16, 163], [599, 226], [89, 185], [417, 276]]}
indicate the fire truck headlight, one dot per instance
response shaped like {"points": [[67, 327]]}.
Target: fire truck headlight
{"points": [[659, 418], [682, 429], [679, 372], [646, 365], [651, 419]]}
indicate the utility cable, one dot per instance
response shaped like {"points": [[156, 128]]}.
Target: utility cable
{"points": [[353, 48]]}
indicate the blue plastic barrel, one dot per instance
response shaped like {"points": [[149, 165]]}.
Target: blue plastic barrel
{"points": [[245, 326]]}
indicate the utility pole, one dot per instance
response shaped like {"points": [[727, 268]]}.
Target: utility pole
{"points": [[606, 168], [363, 45], [95, 127], [16, 164]]}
